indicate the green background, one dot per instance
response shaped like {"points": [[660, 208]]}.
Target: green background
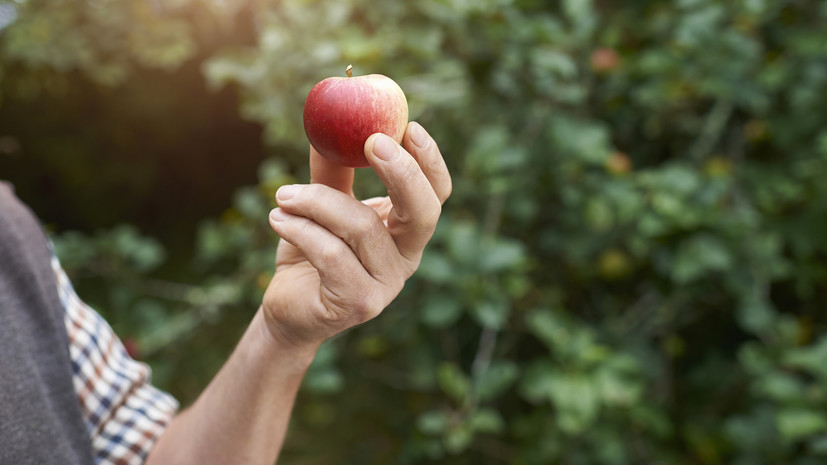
{"points": [[631, 269]]}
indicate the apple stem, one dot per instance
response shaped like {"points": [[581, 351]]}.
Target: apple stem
{"points": [[349, 70]]}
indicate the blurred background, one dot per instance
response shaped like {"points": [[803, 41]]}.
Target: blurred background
{"points": [[631, 270]]}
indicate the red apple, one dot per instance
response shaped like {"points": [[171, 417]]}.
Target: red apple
{"points": [[605, 59], [342, 112]]}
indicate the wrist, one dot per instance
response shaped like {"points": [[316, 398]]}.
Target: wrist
{"points": [[273, 343]]}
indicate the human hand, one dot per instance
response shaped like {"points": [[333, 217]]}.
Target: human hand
{"points": [[340, 261]]}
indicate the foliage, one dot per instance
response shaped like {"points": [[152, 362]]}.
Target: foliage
{"points": [[628, 271]]}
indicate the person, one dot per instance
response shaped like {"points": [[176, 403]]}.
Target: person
{"points": [[69, 393]]}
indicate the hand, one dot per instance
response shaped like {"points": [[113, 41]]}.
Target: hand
{"points": [[340, 261]]}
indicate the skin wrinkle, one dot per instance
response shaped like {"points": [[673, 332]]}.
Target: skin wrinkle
{"points": [[369, 234], [307, 231], [333, 307]]}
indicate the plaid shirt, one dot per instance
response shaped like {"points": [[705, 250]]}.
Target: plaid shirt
{"points": [[124, 414]]}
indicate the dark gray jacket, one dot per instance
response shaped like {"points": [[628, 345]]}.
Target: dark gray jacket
{"points": [[40, 417]]}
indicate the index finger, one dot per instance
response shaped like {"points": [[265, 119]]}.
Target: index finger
{"points": [[330, 174], [416, 206], [419, 143]]}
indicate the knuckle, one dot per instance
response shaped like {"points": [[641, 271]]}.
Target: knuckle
{"points": [[431, 215], [361, 310], [424, 215], [312, 191], [367, 307], [404, 273], [306, 228], [413, 261], [330, 255], [365, 227], [364, 221], [435, 163], [448, 188], [307, 197]]}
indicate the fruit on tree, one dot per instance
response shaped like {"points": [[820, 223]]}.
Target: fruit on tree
{"points": [[619, 163], [605, 59]]}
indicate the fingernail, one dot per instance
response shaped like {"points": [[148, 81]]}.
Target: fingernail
{"points": [[287, 192], [385, 148], [278, 215], [418, 136]]}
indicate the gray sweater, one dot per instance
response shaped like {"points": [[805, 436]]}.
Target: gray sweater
{"points": [[40, 417]]}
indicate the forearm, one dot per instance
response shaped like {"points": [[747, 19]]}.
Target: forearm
{"points": [[242, 416]]}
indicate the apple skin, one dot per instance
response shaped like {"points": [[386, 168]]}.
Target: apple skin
{"points": [[340, 113]]}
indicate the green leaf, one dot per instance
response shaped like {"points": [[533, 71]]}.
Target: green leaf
{"points": [[537, 382], [491, 313], [583, 141], [798, 423], [326, 381], [441, 310], [500, 255], [456, 440], [250, 204], [547, 327], [436, 267], [432, 422], [547, 60], [810, 358], [582, 14], [653, 419], [486, 420], [780, 387], [599, 214], [464, 243], [326, 355], [756, 316], [617, 388], [819, 445], [492, 383], [753, 430], [577, 400], [699, 256], [454, 383]]}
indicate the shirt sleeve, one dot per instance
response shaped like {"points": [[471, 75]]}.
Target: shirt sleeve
{"points": [[124, 414]]}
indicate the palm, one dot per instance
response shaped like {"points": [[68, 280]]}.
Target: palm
{"points": [[295, 290]]}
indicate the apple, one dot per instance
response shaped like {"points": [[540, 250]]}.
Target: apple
{"points": [[340, 113], [605, 59], [619, 163]]}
